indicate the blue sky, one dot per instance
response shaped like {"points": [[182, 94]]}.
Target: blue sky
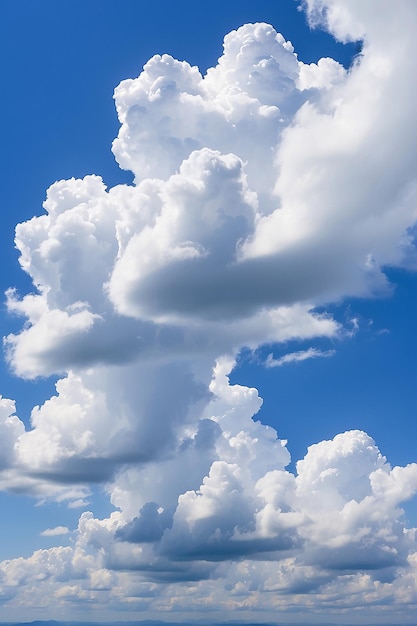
{"points": [[258, 241]]}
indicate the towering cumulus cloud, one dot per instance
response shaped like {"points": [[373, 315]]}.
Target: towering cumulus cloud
{"points": [[263, 190]]}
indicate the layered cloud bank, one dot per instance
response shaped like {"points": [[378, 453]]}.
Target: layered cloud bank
{"points": [[263, 190]]}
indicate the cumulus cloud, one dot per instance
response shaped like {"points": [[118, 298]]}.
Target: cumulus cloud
{"points": [[263, 190], [237, 538]]}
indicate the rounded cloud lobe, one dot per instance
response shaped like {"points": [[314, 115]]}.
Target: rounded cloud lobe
{"points": [[262, 190]]}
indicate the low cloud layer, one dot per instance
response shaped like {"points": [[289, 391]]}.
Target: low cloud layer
{"points": [[263, 191]]}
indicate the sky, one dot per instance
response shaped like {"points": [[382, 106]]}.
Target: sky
{"points": [[208, 279]]}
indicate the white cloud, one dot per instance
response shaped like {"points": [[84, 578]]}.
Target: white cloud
{"points": [[54, 532], [10, 430], [295, 357], [235, 539], [263, 190]]}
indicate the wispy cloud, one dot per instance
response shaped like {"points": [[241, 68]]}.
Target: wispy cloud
{"points": [[295, 357]]}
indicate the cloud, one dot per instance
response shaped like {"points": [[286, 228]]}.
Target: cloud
{"points": [[215, 234], [10, 428], [295, 357], [263, 191], [53, 532], [335, 524]]}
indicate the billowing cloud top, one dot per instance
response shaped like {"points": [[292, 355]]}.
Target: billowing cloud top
{"points": [[263, 190]]}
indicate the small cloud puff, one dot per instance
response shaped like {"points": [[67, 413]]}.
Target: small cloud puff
{"points": [[55, 532]]}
